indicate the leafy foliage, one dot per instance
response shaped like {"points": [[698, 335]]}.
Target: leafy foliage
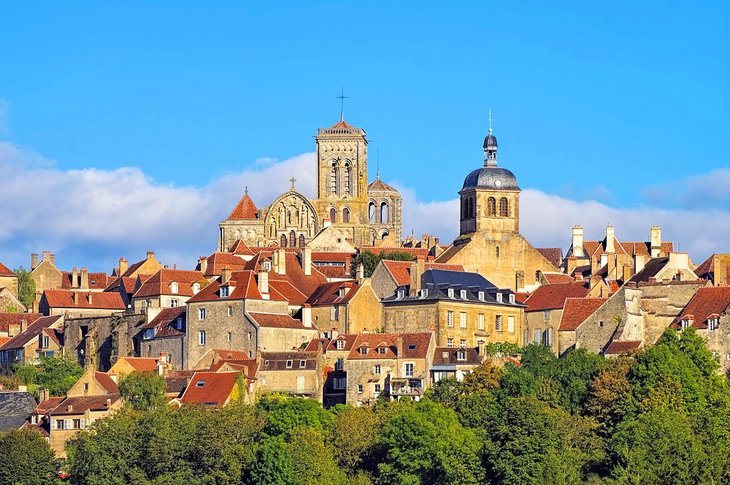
{"points": [[143, 390], [26, 459], [26, 287], [370, 260], [57, 374]]}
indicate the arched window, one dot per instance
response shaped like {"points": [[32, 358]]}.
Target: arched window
{"points": [[293, 239], [302, 241], [283, 241], [348, 179], [345, 215], [333, 215], [173, 288], [371, 212], [288, 217], [384, 213], [272, 230], [503, 207], [333, 178], [384, 235], [492, 206]]}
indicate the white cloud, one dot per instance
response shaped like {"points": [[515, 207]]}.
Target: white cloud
{"points": [[707, 190], [92, 217]]}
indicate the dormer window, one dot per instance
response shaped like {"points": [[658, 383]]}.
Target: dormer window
{"points": [[225, 291], [401, 294], [196, 288], [423, 293], [178, 323], [200, 384], [148, 333], [685, 323], [266, 266], [289, 364], [712, 324], [461, 354], [382, 350], [451, 292], [302, 364], [341, 292], [363, 350], [481, 296], [499, 297], [173, 288], [463, 294], [512, 298], [340, 344]]}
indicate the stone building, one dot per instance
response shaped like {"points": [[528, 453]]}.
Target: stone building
{"points": [[167, 288], [708, 312], [454, 363], [8, 280], [96, 342], [715, 269], [297, 373], [389, 275], [346, 306], [80, 303], [355, 211], [335, 351], [462, 309], [489, 241], [164, 333], [43, 336]]}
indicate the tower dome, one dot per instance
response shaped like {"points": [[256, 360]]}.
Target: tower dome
{"points": [[492, 178]]}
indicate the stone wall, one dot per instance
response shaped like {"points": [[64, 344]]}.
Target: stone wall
{"points": [[718, 342], [173, 346], [99, 341], [536, 321]]}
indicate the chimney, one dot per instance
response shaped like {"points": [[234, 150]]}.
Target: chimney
{"points": [[46, 256], [612, 271], [264, 284], [166, 266], [610, 236], [150, 254], [360, 273], [43, 395], [719, 266], [225, 275], [75, 297], [578, 241], [203, 262], [33, 261], [656, 241], [123, 266], [84, 279], [162, 364], [307, 261], [280, 261], [74, 277], [399, 345], [307, 315], [417, 269], [639, 262]]}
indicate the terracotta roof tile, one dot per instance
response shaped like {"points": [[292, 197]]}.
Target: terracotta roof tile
{"points": [[622, 346], [86, 299], [554, 255], [244, 210], [551, 297], [557, 278], [142, 364], [106, 382], [7, 318], [48, 405], [415, 345], [241, 248], [379, 185], [275, 320], [210, 388], [5, 271], [707, 302], [401, 270], [33, 330], [79, 405], [334, 293], [160, 283], [576, 310], [96, 280], [218, 261], [164, 322]]}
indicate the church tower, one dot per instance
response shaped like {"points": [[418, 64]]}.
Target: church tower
{"points": [[342, 180], [490, 197]]}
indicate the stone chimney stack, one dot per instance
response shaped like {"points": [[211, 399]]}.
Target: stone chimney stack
{"points": [[84, 279], [74, 277], [656, 241], [162, 364], [639, 262], [150, 254], [399, 345], [225, 275], [610, 236], [123, 266], [264, 284], [203, 262], [360, 273], [33, 261], [280, 261], [307, 261], [44, 394], [307, 315], [719, 267], [578, 241], [417, 269]]}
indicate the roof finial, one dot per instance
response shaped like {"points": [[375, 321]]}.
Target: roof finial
{"points": [[490, 121], [292, 180], [342, 99], [245, 190]]}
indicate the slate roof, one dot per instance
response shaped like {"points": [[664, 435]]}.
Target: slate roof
{"points": [[177, 380], [449, 355], [650, 270], [244, 210], [576, 310], [210, 388], [86, 299], [5, 271], [415, 345], [33, 330], [552, 297], [707, 302], [159, 283], [6, 319], [15, 407], [276, 361], [164, 322]]}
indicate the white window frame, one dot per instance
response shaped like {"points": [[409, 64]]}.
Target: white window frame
{"points": [[498, 323], [510, 324], [409, 369], [462, 319], [480, 322], [201, 313], [449, 318], [450, 343], [202, 337]]}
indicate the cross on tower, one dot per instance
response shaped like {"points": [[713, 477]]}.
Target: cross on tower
{"points": [[342, 99], [292, 180]]}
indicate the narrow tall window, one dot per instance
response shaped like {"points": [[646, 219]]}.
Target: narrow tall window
{"points": [[333, 178], [371, 212], [384, 213], [333, 215], [345, 215], [302, 241], [492, 206], [348, 179], [283, 241], [503, 207], [292, 239]]}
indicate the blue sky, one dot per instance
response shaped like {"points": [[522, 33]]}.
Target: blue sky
{"points": [[625, 104]]}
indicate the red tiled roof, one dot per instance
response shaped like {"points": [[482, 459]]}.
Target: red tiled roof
{"points": [[557, 278], [218, 261], [275, 320], [334, 271], [127, 283], [389, 341], [244, 210], [210, 388], [7, 318], [141, 364], [284, 290], [415, 252], [240, 248], [79, 405], [576, 310], [621, 346], [244, 287], [33, 330], [106, 382], [401, 270], [160, 283], [86, 299], [96, 280], [449, 355], [164, 322], [48, 405], [5, 271], [554, 255], [550, 297], [335, 256], [331, 344], [707, 302], [342, 125], [521, 297], [378, 184], [334, 293]]}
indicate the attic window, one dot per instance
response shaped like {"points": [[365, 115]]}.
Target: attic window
{"points": [[461, 354], [196, 288], [401, 294], [200, 384], [340, 344], [267, 265], [411, 347], [173, 288], [423, 293], [363, 350], [302, 364], [225, 291], [451, 292], [382, 350], [289, 364], [341, 292], [481, 296], [512, 298], [499, 297], [463, 294], [685, 323], [712, 324], [266, 363], [445, 355]]}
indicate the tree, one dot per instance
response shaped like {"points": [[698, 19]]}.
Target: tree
{"points": [[284, 414], [484, 377], [353, 437], [143, 390], [608, 393], [370, 260], [273, 464], [57, 374], [26, 459], [425, 443], [26, 287], [312, 461]]}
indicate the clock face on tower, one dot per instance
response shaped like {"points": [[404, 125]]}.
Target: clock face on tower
{"points": [[498, 183]]}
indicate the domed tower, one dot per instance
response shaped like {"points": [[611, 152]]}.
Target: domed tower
{"points": [[490, 196]]}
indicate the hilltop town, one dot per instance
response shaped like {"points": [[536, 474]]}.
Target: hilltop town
{"points": [[325, 299]]}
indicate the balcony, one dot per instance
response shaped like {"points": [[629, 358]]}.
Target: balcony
{"points": [[406, 387]]}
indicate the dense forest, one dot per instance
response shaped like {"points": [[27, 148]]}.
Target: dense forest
{"points": [[659, 416]]}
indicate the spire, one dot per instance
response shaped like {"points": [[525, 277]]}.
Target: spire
{"points": [[490, 146], [342, 99]]}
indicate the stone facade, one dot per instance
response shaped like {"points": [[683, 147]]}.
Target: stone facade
{"points": [[363, 311], [96, 342], [541, 327]]}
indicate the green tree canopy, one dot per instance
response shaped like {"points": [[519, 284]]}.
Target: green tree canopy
{"points": [[57, 374], [26, 459], [370, 260], [143, 390], [26, 287]]}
